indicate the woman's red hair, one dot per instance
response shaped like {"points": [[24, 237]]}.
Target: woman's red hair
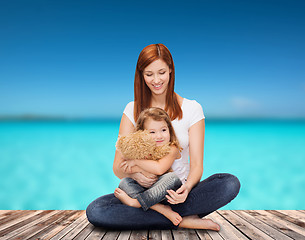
{"points": [[142, 94]]}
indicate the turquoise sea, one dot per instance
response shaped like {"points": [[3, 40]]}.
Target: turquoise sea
{"points": [[67, 164]]}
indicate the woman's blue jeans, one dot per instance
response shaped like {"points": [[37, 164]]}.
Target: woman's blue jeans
{"points": [[206, 197]]}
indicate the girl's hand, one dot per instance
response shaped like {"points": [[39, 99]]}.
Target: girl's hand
{"points": [[127, 166], [179, 196]]}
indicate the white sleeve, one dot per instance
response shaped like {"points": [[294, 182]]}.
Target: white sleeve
{"points": [[197, 113], [128, 111]]}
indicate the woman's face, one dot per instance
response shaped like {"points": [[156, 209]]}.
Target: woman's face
{"points": [[156, 76]]}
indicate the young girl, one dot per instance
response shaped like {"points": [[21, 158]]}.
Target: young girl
{"points": [[158, 123]]}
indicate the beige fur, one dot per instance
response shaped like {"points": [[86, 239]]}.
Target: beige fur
{"points": [[140, 145]]}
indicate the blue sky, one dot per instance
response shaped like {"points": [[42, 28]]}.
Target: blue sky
{"points": [[77, 58]]}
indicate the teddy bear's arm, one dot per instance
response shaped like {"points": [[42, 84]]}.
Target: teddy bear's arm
{"points": [[160, 166]]}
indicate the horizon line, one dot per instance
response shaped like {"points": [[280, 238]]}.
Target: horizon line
{"points": [[36, 117]]}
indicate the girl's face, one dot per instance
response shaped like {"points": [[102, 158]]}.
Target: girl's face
{"points": [[158, 130], [156, 76]]}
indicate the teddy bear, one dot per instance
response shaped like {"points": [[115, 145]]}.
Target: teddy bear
{"points": [[140, 145]]}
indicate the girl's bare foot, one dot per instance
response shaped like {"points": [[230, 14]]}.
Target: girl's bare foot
{"points": [[125, 199], [173, 216], [167, 211], [196, 222]]}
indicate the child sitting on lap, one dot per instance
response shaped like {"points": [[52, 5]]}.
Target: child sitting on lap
{"points": [[130, 192]]}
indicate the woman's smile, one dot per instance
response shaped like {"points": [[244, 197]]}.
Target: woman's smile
{"points": [[158, 86]]}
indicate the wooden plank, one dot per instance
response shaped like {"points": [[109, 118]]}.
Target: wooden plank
{"points": [[111, 235], [227, 230], [300, 211], [39, 226], [237, 224], [60, 224], [85, 232], [22, 226], [270, 219], [15, 215], [140, 234], [97, 234], [295, 214], [180, 234], [124, 235], [203, 235], [70, 227], [286, 221], [77, 230], [166, 235], [11, 214], [50, 229], [17, 219], [288, 218], [154, 235], [4, 213], [192, 234], [245, 227], [184, 234], [262, 226]]}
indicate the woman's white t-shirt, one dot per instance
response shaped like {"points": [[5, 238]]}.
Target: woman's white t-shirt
{"points": [[192, 113]]}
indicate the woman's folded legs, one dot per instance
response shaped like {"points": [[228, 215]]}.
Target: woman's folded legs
{"points": [[206, 197]]}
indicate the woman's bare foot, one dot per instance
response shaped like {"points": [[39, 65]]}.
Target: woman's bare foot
{"points": [[196, 222], [167, 211], [125, 199]]}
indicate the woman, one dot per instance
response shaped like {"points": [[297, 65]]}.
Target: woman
{"points": [[154, 87]]}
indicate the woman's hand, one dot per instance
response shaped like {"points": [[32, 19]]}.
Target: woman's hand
{"points": [[150, 175], [143, 180], [179, 196]]}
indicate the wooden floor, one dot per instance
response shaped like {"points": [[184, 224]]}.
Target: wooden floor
{"points": [[55, 224]]}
